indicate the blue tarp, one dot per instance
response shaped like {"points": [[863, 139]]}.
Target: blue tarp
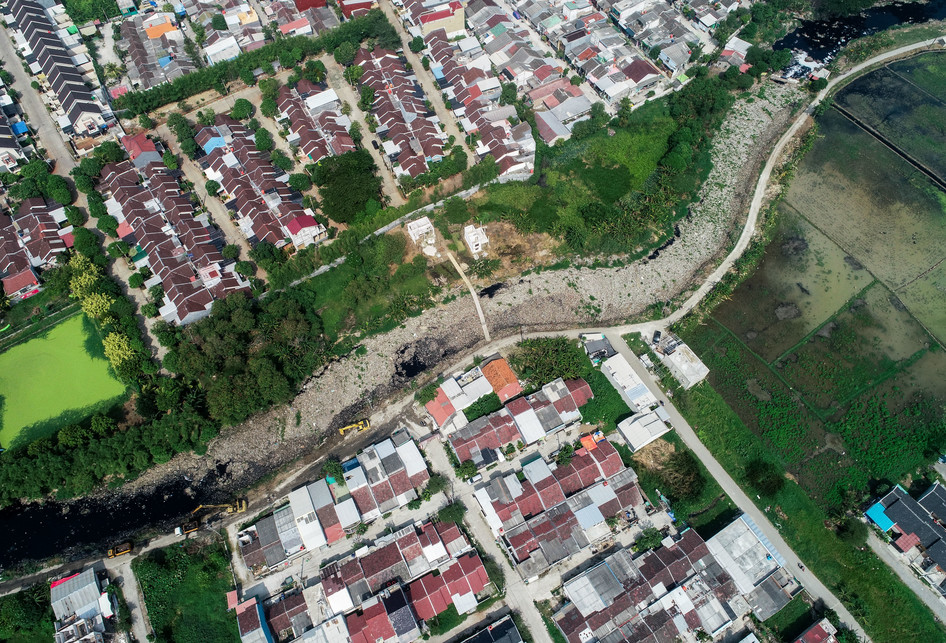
{"points": [[879, 518], [20, 128], [164, 62]]}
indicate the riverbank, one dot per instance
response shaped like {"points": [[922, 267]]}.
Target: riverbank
{"points": [[385, 365]]}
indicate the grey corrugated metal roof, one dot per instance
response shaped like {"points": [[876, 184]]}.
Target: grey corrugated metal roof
{"points": [[266, 531], [286, 527], [75, 594]]}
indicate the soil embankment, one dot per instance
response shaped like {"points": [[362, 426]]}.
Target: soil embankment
{"points": [[355, 386]]}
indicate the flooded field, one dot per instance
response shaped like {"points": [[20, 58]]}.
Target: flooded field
{"points": [[905, 112], [832, 351]]}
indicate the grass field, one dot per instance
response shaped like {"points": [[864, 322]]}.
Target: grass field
{"points": [[185, 592], [51, 380], [886, 608], [825, 372], [791, 620], [580, 187]]}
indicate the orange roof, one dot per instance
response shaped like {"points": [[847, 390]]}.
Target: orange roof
{"points": [[502, 379], [588, 442], [156, 31]]}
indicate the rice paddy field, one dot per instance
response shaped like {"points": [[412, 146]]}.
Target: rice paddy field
{"points": [[827, 364], [57, 378]]}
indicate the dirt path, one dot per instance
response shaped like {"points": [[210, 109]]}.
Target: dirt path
{"points": [[476, 297]]}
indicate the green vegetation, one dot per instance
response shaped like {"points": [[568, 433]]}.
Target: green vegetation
{"points": [[333, 469], [82, 11], [565, 455], [184, 132], [363, 293], [67, 359], [27, 616], [35, 180], [249, 354], [607, 407], [621, 187], [793, 619], [650, 538], [483, 406], [452, 512], [546, 610], [293, 50], [428, 392], [185, 592], [348, 185], [445, 621], [544, 359], [886, 608]]}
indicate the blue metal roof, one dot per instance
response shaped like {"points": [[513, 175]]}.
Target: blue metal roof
{"points": [[877, 515], [20, 128]]}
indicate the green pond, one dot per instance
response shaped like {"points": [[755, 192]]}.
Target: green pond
{"points": [[59, 377]]}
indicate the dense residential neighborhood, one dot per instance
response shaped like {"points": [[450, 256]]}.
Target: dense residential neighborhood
{"points": [[470, 321]]}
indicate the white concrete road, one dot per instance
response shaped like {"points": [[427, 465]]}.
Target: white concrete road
{"points": [[38, 117], [814, 586]]}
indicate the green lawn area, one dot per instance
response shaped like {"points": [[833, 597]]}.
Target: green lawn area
{"points": [[792, 620], [445, 621], [881, 603], [52, 380], [185, 592], [578, 193]]}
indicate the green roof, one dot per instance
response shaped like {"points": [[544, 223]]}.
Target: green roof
{"points": [[72, 29]]}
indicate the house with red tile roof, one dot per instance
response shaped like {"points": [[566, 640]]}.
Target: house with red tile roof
{"points": [[457, 585], [555, 511], [504, 382], [410, 134], [138, 144], [180, 248], [371, 625], [821, 632], [267, 208]]}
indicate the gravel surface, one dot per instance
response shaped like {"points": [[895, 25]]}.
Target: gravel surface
{"points": [[360, 384]]}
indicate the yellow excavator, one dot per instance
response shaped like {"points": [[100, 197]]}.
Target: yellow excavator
{"points": [[236, 507], [361, 425]]}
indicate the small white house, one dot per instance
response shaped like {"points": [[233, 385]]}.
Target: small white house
{"points": [[475, 239], [421, 229]]}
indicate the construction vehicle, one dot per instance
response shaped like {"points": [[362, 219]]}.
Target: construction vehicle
{"points": [[361, 425], [238, 506], [118, 550], [188, 528]]}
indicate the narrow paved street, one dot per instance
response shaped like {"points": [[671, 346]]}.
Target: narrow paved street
{"points": [[38, 117], [518, 596], [898, 565], [433, 93], [814, 586], [134, 600], [218, 212]]}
